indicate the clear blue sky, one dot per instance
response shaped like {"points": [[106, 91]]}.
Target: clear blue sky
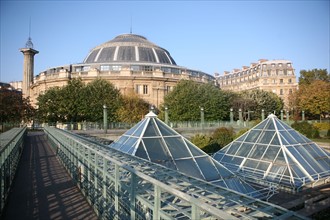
{"points": [[211, 36]]}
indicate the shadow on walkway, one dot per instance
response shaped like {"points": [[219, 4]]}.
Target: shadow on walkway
{"points": [[42, 188]]}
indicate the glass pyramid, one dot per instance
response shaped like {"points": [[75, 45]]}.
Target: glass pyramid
{"points": [[274, 152], [155, 141]]}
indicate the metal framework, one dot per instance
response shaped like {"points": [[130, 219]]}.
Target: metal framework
{"points": [[122, 186], [11, 145], [273, 153]]}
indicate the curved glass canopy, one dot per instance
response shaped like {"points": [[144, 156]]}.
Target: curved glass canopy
{"points": [[274, 152], [155, 141]]}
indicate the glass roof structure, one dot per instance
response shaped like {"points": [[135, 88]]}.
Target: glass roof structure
{"points": [[153, 140], [274, 153]]}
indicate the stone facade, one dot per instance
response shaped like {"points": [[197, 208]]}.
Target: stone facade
{"points": [[276, 76]]}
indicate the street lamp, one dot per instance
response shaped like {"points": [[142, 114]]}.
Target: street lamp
{"points": [[105, 118], [231, 116], [166, 115], [202, 117]]}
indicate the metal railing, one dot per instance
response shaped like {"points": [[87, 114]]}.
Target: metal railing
{"points": [[11, 147], [122, 186]]}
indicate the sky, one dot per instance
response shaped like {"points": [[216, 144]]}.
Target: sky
{"points": [[210, 36]]}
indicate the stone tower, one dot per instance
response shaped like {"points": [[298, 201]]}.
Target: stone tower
{"points": [[28, 67]]}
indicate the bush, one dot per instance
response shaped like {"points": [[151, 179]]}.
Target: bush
{"points": [[306, 129], [223, 136], [201, 140], [323, 126]]}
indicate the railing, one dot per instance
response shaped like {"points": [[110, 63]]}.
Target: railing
{"points": [[121, 186], [11, 146]]}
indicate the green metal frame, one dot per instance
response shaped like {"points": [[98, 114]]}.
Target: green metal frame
{"points": [[11, 148], [121, 186]]}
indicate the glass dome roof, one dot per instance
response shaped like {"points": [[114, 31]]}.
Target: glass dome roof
{"points": [[275, 152], [129, 48], [153, 140]]}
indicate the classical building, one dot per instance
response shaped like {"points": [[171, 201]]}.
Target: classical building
{"points": [[129, 61], [277, 76]]}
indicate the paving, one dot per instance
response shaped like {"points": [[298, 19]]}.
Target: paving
{"points": [[42, 188]]}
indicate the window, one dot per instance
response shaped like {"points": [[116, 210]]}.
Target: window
{"points": [[289, 80], [288, 64], [147, 68], [86, 68], [115, 68], [281, 81], [145, 89], [290, 91], [281, 91], [105, 68]]}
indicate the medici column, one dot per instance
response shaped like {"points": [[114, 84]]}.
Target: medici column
{"points": [[28, 67]]}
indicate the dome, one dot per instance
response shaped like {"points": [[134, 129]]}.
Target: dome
{"points": [[129, 48]]}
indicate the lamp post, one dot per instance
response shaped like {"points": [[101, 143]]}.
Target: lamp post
{"points": [[231, 116], [303, 115], [262, 114], [202, 118], [281, 115], [166, 115], [105, 118], [240, 116], [287, 115]]}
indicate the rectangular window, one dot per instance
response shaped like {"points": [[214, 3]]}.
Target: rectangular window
{"points": [[281, 81], [289, 80], [281, 91], [145, 89], [105, 68], [86, 68]]}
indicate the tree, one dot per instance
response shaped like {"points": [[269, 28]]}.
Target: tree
{"points": [[307, 77], [315, 97], [187, 97], [97, 93], [15, 108], [73, 99], [133, 109], [50, 106], [257, 100]]}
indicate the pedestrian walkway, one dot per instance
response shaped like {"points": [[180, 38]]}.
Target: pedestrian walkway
{"points": [[42, 188]]}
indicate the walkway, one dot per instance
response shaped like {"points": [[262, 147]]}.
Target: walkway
{"points": [[42, 188]]}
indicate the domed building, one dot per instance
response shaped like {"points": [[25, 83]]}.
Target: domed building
{"points": [[129, 61]]}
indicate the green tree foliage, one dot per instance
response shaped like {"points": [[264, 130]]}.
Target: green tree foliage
{"points": [[14, 108], [186, 99], [76, 102], [201, 140], [306, 129], [133, 109], [100, 92], [223, 136], [309, 76], [50, 106], [256, 100]]}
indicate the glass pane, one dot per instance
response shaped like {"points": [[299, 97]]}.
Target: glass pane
{"points": [[251, 163], [140, 128], [118, 143], [270, 125], [275, 140], [241, 138], [258, 151], [261, 125], [209, 171], [177, 147], [194, 150], [244, 149], [218, 156], [188, 166], [224, 172], [151, 130], [271, 153], [252, 137], [263, 166], [288, 137], [140, 152], [233, 148], [131, 131], [156, 149], [297, 136], [279, 125], [164, 129], [266, 137], [280, 159], [128, 144]]}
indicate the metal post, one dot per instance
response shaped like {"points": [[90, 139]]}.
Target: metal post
{"points": [[132, 195], [202, 118], [303, 115], [287, 116], [157, 194], [105, 118], [281, 115], [262, 114], [117, 191], [166, 115], [231, 116], [240, 116]]}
